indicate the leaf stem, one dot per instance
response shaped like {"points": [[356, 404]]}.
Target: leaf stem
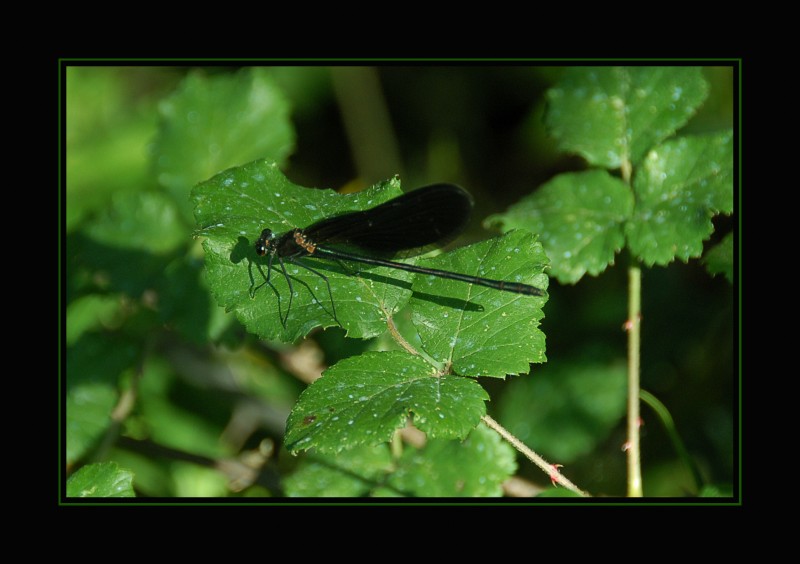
{"points": [[397, 336], [550, 469], [669, 424], [633, 326], [396, 445]]}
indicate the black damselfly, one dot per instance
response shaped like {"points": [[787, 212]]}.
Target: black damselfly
{"points": [[428, 216]]}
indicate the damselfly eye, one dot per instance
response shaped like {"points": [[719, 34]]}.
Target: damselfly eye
{"points": [[262, 244]]}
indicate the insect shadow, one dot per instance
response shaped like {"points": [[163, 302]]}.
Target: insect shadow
{"points": [[244, 250]]}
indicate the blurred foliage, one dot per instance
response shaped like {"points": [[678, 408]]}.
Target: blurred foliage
{"points": [[104, 479], [165, 394]]}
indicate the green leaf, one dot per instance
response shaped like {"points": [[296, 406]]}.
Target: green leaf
{"points": [[94, 265], [215, 122], [184, 301], [579, 218], [680, 186], [178, 424], [615, 115], [192, 480], [236, 205], [363, 400], [557, 492], [105, 479], [720, 258], [108, 127], [351, 473], [91, 312], [475, 467], [88, 409], [142, 221], [715, 490], [564, 411], [130, 243], [94, 366], [483, 331]]}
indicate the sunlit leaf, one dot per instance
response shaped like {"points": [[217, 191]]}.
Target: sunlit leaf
{"points": [[233, 208], [104, 479], [614, 115], [483, 331], [579, 218], [682, 184], [363, 400]]}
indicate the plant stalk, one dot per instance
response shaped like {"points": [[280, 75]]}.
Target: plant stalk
{"points": [[550, 469], [633, 327], [367, 122]]}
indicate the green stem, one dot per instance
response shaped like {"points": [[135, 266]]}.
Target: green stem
{"points": [[633, 326], [396, 445], [396, 334], [367, 122], [669, 425]]}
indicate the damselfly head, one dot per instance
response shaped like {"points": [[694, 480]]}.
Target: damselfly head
{"points": [[264, 242]]}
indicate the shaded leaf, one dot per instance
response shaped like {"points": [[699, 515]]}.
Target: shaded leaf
{"points": [[94, 366], [474, 467], [363, 400], [117, 270], [90, 312], [129, 243], [557, 492], [563, 412], [173, 423], [184, 301], [719, 260], [351, 473], [716, 490]]}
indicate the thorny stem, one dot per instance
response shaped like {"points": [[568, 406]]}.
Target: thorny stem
{"points": [[550, 469], [633, 327]]}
